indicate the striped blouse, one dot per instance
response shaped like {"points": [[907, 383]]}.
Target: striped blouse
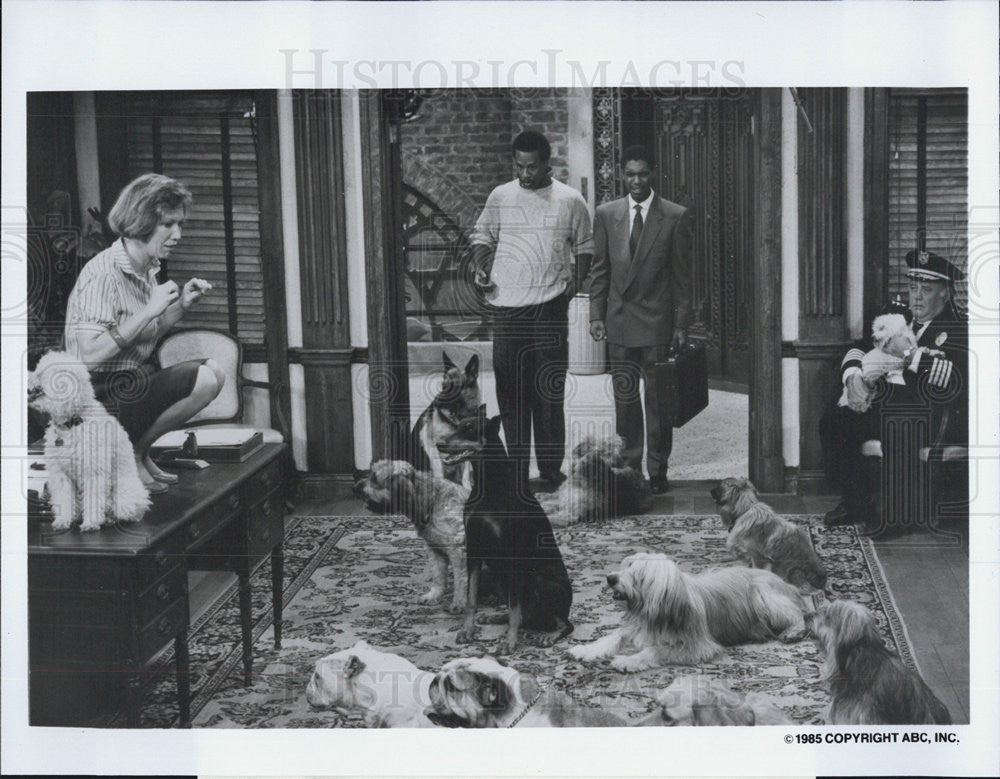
{"points": [[107, 292]]}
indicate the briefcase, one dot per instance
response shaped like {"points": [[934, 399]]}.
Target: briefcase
{"points": [[684, 379]]}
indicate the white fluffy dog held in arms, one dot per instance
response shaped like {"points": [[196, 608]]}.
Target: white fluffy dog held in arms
{"points": [[868, 683], [675, 617], [90, 461]]}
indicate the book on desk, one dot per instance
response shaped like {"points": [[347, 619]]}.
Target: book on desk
{"points": [[215, 444]]}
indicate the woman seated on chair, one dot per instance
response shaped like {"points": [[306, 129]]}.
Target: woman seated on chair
{"points": [[118, 311]]}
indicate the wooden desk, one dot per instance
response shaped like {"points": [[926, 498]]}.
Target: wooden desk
{"points": [[102, 604]]}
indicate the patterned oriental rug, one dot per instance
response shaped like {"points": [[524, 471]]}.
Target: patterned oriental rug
{"points": [[351, 578]]}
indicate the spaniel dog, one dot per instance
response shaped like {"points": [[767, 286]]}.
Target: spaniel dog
{"points": [[869, 684], [675, 617], [762, 538]]}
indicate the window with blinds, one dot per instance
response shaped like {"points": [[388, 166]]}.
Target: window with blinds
{"points": [[206, 140], [928, 179]]}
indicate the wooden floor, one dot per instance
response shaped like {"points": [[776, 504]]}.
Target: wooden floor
{"points": [[928, 577]]}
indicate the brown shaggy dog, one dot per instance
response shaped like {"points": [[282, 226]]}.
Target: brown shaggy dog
{"points": [[600, 486], [869, 684], [763, 539], [434, 506]]}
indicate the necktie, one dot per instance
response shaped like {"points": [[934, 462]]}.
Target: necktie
{"points": [[633, 239]]}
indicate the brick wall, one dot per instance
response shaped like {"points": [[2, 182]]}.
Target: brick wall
{"points": [[459, 148], [544, 110]]}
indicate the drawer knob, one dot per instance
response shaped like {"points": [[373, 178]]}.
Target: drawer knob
{"points": [[265, 478], [234, 501], [164, 626], [163, 591], [161, 558], [267, 508], [194, 530]]}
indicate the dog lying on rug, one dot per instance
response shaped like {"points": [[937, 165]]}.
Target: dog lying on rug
{"points": [[703, 701], [599, 486], [458, 398], [434, 506], [482, 693], [676, 617], [89, 458], [387, 690], [507, 531], [869, 684], [762, 538]]}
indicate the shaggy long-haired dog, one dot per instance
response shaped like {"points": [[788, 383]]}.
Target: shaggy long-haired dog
{"points": [[458, 398], [483, 693], [762, 538], [435, 507], [600, 486], [675, 617], [90, 461], [701, 700], [869, 684], [387, 690]]}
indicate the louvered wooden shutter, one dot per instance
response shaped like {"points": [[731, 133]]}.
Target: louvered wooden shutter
{"points": [[947, 180], [183, 135]]}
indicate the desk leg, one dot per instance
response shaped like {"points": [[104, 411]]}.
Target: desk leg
{"points": [[183, 678], [133, 700], [246, 617], [277, 586]]}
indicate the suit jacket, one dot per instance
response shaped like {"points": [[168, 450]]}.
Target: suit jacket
{"points": [[641, 299]]}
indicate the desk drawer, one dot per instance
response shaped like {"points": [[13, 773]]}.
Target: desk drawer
{"points": [[202, 527], [161, 630], [153, 565], [163, 593], [265, 526], [271, 478]]}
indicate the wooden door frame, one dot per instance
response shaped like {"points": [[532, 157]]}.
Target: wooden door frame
{"points": [[767, 469]]}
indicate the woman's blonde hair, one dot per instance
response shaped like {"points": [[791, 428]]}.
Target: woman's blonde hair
{"points": [[144, 201]]}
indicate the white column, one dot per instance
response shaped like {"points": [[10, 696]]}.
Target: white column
{"points": [[293, 284], [580, 154], [854, 212], [790, 421], [357, 293], [88, 175]]}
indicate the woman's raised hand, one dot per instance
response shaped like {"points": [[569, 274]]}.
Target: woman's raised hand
{"points": [[161, 297]]}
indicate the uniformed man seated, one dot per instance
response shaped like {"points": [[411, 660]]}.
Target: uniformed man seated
{"points": [[872, 442]]}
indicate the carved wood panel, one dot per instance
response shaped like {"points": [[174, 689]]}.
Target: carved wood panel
{"points": [[705, 160]]}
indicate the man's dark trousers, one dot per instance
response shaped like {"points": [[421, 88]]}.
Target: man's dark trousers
{"points": [[530, 358], [627, 364]]}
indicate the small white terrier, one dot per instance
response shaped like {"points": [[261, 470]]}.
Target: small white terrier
{"points": [[90, 461]]}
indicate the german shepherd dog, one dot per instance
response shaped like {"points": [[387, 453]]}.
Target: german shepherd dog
{"points": [[458, 399], [507, 531]]}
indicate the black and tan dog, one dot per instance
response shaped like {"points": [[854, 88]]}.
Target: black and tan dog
{"points": [[458, 398], [507, 531]]}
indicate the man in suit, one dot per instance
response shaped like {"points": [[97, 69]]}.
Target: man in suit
{"points": [[929, 381], [640, 301]]}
